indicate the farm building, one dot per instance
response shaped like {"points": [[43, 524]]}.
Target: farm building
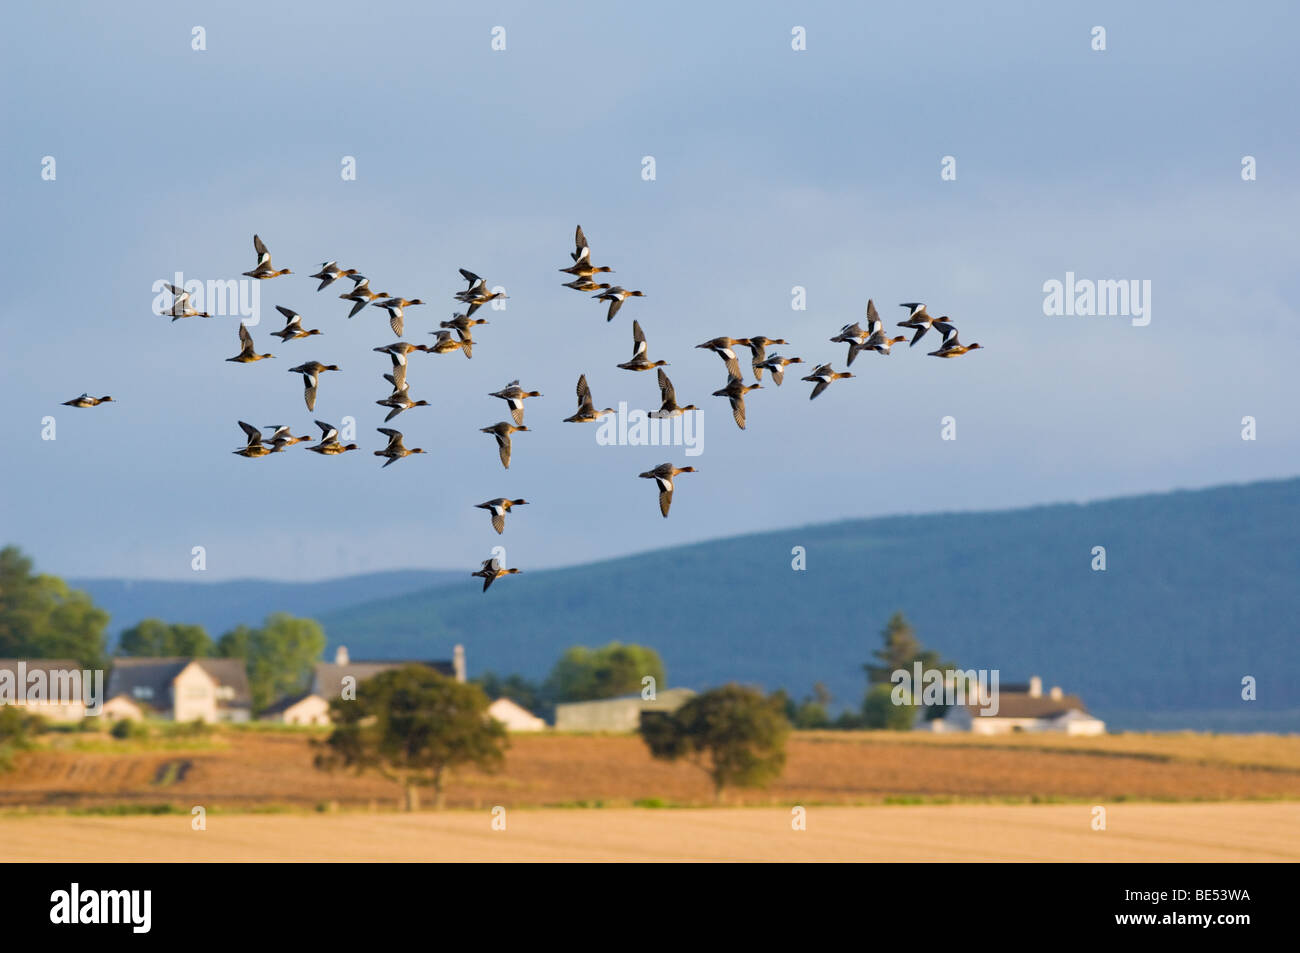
{"points": [[331, 679], [304, 708], [182, 689], [616, 714], [1023, 707], [514, 716], [52, 688]]}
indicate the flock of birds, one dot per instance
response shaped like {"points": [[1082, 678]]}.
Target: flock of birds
{"points": [[457, 335]]}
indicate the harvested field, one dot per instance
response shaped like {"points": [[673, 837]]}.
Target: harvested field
{"points": [[1055, 832], [247, 770]]}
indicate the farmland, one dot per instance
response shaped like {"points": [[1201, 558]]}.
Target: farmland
{"points": [[244, 770], [1052, 832]]}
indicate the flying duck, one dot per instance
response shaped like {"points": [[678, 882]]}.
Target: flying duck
{"points": [[639, 361], [777, 365], [181, 305], [398, 351], [587, 412], [85, 400], [461, 324], [361, 295], [881, 344], [293, 329], [736, 391], [400, 399], [330, 273], [663, 476], [248, 353], [514, 396], [723, 348], [586, 284], [954, 348], [616, 296], [918, 319], [310, 378], [395, 450], [254, 447], [502, 432], [669, 406], [281, 437], [758, 348], [263, 269], [823, 375], [585, 269], [329, 441], [499, 508], [445, 342], [492, 571]]}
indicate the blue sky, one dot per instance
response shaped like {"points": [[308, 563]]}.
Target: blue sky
{"points": [[775, 168]]}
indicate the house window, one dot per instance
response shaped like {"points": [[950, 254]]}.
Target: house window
{"points": [[142, 691], [196, 691], [225, 692]]}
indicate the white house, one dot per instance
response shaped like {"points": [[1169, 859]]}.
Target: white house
{"points": [[302, 709], [1021, 708], [182, 689], [515, 717]]}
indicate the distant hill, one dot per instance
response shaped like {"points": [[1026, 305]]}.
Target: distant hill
{"points": [[1201, 588], [219, 606]]}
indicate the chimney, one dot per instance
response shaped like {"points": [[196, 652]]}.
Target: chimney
{"points": [[341, 655], [458, 662], [1035, 687], [1056, 693]]}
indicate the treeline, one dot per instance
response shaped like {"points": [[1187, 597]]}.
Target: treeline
{"points": [[584, 674], [581, 674], [41, 617], [900, 650]]}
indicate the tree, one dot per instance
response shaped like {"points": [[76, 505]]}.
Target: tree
{"points": [[155, 637], [40, 617], [18, 730], [279, 655], [584, 674], [413, 725], [880, 712], [235, 643], [814, 711], [734, 733], [901, 650]]}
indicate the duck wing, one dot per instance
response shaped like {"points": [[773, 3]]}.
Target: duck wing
{"points": [[666, 388]]}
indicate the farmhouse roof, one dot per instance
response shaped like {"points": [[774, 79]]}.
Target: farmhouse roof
{"points": [[1012, 704], [328, 678], [157, 675]]}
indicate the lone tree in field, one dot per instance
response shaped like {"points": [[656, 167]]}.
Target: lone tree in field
{"points": [[735, 734], [413, 726]]}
